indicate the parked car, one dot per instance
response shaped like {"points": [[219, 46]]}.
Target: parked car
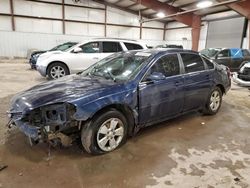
{"points": [[230, 57], [119, 95], [59, 64], [62, 47], [243, 76]]}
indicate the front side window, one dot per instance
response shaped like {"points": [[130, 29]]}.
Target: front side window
{"points": [[91, 47], [223, 53], [167, 65], [111, 47], [192, 62], [132, 46]]}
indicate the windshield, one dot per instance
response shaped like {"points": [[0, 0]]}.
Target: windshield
{"points": [[211, 52], [63, 47], [120, 66]]}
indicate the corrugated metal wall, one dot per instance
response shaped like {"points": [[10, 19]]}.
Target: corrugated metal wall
{"points": [[45, 34]]}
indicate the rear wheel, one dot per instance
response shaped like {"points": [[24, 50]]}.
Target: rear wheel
{"points": [[57, 70], [104, 133], [214, 102]]}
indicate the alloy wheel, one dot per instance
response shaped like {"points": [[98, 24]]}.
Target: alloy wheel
{"points": [[57, 72], [110, 134], [215, 100]]}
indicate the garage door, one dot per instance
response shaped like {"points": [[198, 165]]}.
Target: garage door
{"points": [[225, 33]]}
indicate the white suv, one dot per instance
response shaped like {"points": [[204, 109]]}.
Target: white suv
{"points": [[58, 64]]}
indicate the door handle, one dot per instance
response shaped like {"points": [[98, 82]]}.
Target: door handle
{"points": [[95, 58]]}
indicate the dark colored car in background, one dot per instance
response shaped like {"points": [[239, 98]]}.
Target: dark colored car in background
{"points": [[230, 57], [119, 95], [62, 47]]}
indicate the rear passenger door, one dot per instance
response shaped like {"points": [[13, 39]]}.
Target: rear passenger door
{"points": [[197, 81]]}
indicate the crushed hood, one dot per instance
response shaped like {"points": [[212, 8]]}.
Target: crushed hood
{"points": [[64, 89]]}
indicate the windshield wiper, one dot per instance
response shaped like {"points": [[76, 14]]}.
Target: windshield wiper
{"points": [[111, 76]]}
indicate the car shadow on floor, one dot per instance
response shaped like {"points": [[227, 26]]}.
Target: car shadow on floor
{"points": [[17, 143]]}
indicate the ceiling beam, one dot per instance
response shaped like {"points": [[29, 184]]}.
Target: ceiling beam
{"points": [[167, 9], [131, 5], [242, 8]]}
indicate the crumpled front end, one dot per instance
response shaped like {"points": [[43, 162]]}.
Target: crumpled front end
{"points": [[46, 123]]}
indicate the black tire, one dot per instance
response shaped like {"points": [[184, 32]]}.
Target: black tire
{"points": [[62, 67], [89, 133], [208, 110]]}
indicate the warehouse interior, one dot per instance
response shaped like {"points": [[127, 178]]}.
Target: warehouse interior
{"points": [[187, 150]]}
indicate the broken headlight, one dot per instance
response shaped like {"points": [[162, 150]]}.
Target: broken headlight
{"points": [[55, 114]]}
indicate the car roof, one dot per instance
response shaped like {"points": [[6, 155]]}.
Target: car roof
{"points": [[110, 39], [167, 50]]}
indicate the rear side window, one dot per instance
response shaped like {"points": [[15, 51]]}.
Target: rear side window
{"points": [[110, 47], [168, 65], [192, 62], [210, 65], [132, 46]]}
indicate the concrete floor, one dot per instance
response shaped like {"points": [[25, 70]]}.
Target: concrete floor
{"points": [[190, 151]]}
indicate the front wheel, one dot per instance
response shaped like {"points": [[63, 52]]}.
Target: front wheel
{"points": [[104, 133], [57, 70], [214, 101]]}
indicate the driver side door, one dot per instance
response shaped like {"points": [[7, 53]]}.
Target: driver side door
{"points": [[159, 99]]}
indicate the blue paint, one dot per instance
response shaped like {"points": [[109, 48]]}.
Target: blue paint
{"points": [[150, 103], [236, 53]]}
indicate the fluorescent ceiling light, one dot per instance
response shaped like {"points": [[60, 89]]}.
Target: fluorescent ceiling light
{"points": [[160, 15], [204, 4]]}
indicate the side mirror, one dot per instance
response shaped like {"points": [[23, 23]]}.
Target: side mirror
{"points": [[77, 50], [156, 76]]}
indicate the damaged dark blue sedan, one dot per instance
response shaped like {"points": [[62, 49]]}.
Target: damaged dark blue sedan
{"points": [[117, 96]]}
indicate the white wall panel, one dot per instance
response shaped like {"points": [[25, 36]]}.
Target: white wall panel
{"points": [[123, 32], [4, 6], [84, 29], [39, 26], [152, 34], [117, 16], [85, 3], [84, 14], [18, 43], [153, 24], [37, 9], [5, 23]]}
